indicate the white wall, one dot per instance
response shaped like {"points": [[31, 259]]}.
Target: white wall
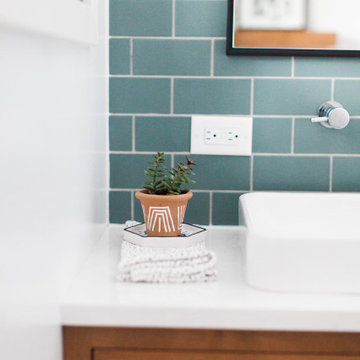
{"points": [[340, 17], [52, 180]]}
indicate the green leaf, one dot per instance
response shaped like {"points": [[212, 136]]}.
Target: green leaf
{"points": [[167, 181]]}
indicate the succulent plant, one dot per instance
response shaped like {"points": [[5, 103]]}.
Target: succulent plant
{"points": [[164, 181]]}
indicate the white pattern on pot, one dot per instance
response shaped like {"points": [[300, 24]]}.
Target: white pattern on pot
{"points": [[161, 216], [180, 214]]}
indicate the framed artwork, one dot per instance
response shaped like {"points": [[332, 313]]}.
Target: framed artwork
{"points": [[293, 28], [272, 14]]}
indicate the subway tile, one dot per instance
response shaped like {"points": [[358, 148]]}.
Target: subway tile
{"points": [[140, 17], [198, 208], [162, 133], [297, 173], [127, 170], [119, 206], [216, 172], [120, 133], [139, 95], [225, 209], [119, 56], [331, 66], [347, 92], [290, 96], [314, 138], [212, 96], [171, 57], [200, 18], [346, 174], [272, 135], [225, 65]]}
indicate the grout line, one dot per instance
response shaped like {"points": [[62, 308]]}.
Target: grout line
{"points": [[252, 97], [168, 37], [107, 171], [353, 117], [234, 77], [224, 77], [172, 95], [332, 89], [131, 58], [132, 205], [331, 173], [292, 135], [212, 58], [193, 190], [307, 154], [173, 20], [149, 152], [210, 207], [150, 114], [107, 110], [133, 134], [255, 153], [226, 115], [293, 66], [252, 173], [220, 191]]}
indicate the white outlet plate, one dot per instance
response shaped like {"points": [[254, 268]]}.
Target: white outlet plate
{"points": [[221, 135]]}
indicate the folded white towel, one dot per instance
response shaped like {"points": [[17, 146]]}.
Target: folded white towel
{"points": [[170, 265]]}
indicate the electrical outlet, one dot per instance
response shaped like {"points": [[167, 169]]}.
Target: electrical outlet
{"points": [[228, 136], [223, 135]]}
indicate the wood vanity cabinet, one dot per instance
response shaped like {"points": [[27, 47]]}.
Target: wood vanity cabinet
{"points": [[107, 343]]}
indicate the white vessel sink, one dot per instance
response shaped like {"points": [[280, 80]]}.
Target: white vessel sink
{"points": [[305, 242]]}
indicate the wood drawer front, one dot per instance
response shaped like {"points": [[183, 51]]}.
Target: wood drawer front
{"points": [[102, 343], [117, 354]]}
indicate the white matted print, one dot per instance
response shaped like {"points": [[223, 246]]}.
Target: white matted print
{"points": [[271, 14]]}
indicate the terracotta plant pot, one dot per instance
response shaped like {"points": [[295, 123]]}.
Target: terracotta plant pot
{"points": [[163, 214]]}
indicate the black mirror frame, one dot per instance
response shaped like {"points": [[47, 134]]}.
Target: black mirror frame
{"points": [[230, 50]]}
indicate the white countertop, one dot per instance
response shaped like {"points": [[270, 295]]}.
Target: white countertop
{"points": [[97, 299]]}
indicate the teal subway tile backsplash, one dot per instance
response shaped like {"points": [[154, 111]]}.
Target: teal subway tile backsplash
{"points": [[347, 92], [120, 206], [171, 57], [290, 96], [272, 135], [225, 65], [212, 96], [198, 209], [291, 173], [139, 95], [127, 170], [119, 56], [346, 174], [225, 208], [140, 17], [315, 138], [220, 172], [162, 133], [168, 61], [120, 133], [200, 18], [325, 67]]}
